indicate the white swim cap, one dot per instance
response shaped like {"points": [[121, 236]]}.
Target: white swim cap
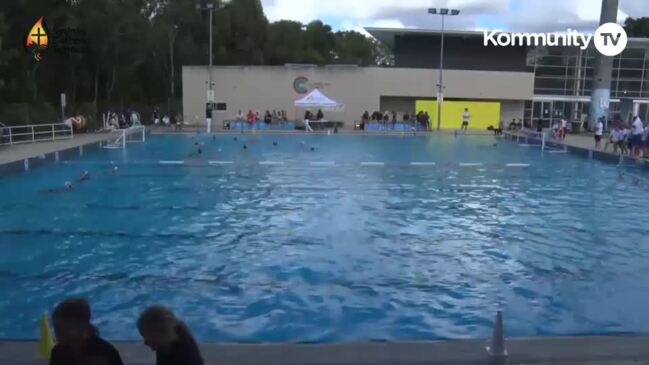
{"points": [[67, 184]]}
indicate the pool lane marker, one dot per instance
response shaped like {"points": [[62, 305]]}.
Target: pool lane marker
{"points": [[525, 145], [372, 163], [469, 164], [220, 162], [271, 163], [171, 162], [557, 151], [517, 165], [322, 163], [422, 164]]}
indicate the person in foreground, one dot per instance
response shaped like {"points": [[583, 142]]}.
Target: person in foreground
{"points": [[169, 337], [77, 340]]}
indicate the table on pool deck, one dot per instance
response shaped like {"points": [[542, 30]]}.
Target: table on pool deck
{"points": [[622, 350], [18, 152]]}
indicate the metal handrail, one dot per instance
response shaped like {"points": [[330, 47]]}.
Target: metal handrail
{"points": [[13, 134]]}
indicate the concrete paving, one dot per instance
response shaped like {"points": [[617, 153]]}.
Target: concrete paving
{"points": [[612, 350], [19, 152]]}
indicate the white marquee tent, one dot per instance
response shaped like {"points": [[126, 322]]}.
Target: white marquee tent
{"points": [[316, 99]]}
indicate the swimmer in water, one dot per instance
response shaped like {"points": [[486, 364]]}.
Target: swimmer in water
{"points": [[66, 187], [312, 148], [235, 138], [115, 169], [84, 176], [245, 147], [213, 137], [275, 143]]}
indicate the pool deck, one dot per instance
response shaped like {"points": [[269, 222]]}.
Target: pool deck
{"points": [[19, 152], [624, 350]]}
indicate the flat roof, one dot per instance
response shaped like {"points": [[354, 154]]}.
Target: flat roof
{"points": [[387, 35]]}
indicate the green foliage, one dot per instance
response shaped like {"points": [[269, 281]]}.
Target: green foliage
{"points": [[637, 27], [136, 49]]}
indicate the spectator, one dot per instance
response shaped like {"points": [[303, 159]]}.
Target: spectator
{"points": [[251, 118], [319, 116], [394, 119], [636, 137], [239, 116], [599, 130], [563, 129], [275, 116], [307, 119], [156, 115], [77, 340], [406, 117], [268, 117], [257, 116], [284, 118], [386, 118], [426, 120], [466, 117], [169, 337]]}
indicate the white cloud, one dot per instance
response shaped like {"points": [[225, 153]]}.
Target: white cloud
{"points": [[530, 15]]}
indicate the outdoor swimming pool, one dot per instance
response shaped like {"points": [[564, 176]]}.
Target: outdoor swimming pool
{"points": [[362, 239]]}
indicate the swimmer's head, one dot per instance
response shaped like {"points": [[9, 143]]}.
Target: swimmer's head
{"points": [[115, 168], [312, 148], [274, 143], [85, 173], [235, 138], [245, 147], [68, 185]]}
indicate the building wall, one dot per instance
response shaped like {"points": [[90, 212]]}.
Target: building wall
{"points": [[460, 53], [360, 89]]}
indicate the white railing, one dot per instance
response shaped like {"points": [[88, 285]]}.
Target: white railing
{"points": [[34, 133]]}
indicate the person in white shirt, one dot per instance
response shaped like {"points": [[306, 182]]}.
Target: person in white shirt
{"points": [[637, 129], [613, 139], [563, 129], [466, 117], [599, 130]]}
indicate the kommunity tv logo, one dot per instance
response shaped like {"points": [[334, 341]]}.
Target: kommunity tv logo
{"points": [[610, 39]]}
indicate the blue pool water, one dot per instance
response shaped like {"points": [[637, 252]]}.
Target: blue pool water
{"points": [[300, 249]]}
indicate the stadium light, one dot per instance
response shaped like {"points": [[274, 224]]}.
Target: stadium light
{"points": [[440, 94], [209, 5]]}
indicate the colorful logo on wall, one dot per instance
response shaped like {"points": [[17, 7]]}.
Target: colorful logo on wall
{"points": [[37, 40], [300, 85]]}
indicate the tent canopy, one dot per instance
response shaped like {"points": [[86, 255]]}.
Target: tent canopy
{"points": [[316, 99]]}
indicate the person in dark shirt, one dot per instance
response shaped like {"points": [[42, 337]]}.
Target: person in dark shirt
{"points": [[78, 341], [169, 337]]}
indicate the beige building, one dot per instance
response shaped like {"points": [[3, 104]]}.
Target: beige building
{"points": [[359, 88]]}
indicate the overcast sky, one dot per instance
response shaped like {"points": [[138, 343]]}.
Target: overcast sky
{"points": [[509, 15]]}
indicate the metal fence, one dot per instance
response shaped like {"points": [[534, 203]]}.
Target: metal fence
{"points": [[34, 133]]}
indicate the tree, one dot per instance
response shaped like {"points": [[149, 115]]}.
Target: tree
{"points": [[637, 27], [136, 49]]}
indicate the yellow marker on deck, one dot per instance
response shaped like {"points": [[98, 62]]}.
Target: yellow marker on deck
{"points": [[46, 343]]}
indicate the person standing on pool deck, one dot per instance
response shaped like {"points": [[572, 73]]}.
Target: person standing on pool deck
{"points": [[307, 119], [77, 340], [169, 337], [636, 137], [466, 117], [599, 130]]}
